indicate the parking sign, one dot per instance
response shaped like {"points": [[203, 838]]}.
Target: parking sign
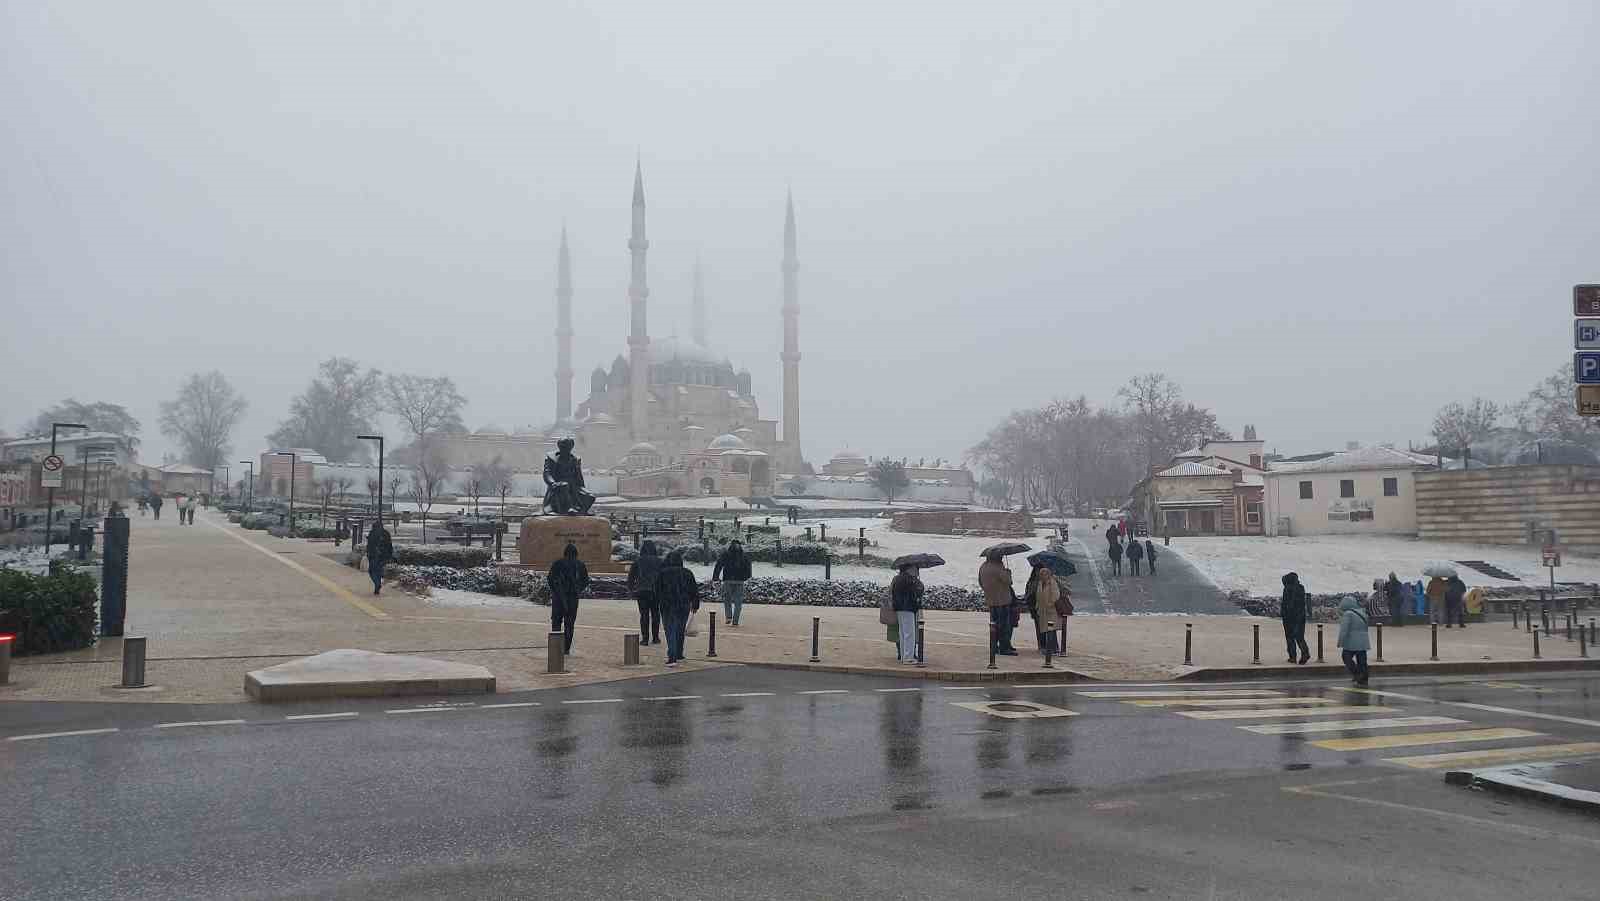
{"points": [[1586, 368]]}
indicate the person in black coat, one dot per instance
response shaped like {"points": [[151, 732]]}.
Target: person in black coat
{"points": [[642, 585], [568, 578], [1292, 609], [1135, 554], [1112, 535], [1394, 592], [1455, 602], [1115, 553], [679, 596], [380, 550], [905, 594], [1150, 555]]}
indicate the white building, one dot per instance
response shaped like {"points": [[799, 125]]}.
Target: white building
{"points": [[1368, 491]]}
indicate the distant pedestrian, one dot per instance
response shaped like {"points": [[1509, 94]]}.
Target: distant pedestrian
{"points": [[1395, 594], [994, 578], [794, 515], [1455, 602], [155, 505], [1293, 611], [679, 596], [189, 510], [1150, 555], [568, 578], [1435, 594], [1353, 642], [1041, 596], [732, 571], [380, 550], [642, 585], [1112, 535], [1377, 601], [1115, 553], [144, 504], [1122, 528], [905, 594], [1135, 555]]}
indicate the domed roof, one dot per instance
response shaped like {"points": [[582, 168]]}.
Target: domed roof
{"points": [[668, 350], [643, 448], [726, 442], [848, 454], [600, 419]]}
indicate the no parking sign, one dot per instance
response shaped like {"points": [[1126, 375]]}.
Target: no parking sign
{"points": [[50, 473]]}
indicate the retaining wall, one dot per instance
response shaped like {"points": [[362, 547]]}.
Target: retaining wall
{"points": [[1510, 504]]}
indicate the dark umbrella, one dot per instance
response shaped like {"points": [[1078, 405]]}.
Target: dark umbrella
{"points": [[1053, 561], [922, 560], [1005, 549]]}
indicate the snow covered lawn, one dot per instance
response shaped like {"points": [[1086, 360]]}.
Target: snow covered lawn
{"points": [[1335, 563]]}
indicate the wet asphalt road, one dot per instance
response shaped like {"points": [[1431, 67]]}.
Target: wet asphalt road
{"points": [[756, 789]]}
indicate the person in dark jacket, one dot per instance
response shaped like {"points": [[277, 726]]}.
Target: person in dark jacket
{"points": [[380, 550], [906, 593], [1394, 592], [1150, 555], [155, 505], [1455, 602], [1293, 611], [1112, 535], [1115, 553], [568, 578], [1135, 554], [679, 596], [732, 571], [642, 585]]}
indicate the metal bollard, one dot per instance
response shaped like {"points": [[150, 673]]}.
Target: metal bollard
{"points": [[1569, 627], [1061, 649], [861, 547], [1583, 642], [1514, 621], [1047, 664], [1380, 642], [1255, 637], [1536, 645], [827, 568], [1319, 642], [1188, 644], [132, 663], [630, 650], [711, 642], [993, 637], [1433, 653], [921, 643], [778, 546], [5, 658], [816, 639], [555, 653]]}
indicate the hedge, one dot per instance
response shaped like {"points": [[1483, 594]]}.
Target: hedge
{"points": [[440, 555], [259, 522], [53, 612]]}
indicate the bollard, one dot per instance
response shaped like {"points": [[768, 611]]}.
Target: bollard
{"points": [[816, 638], [5, 658], [1188, 644], [711, 642], [1433, 652], [827, 568], [1583, 642], [132, 663], [1380, 642], [1255, 637], [778, 545], [1319, 642], [824, 527], [1047, 664], [1061, 649], [1569, 627], [767, 521], [921, 643], [630, 650], [555, 653], [1514, 622], [993, 637], [1536, 644]]}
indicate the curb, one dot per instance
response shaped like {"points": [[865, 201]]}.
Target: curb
{"points": [[1452, 668], [931, 675], [1502, 781]]}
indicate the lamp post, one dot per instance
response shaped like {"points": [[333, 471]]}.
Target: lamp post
{"points": [[50, 506], [293, 459], [250, 498], [379, 439], [226, 473]]}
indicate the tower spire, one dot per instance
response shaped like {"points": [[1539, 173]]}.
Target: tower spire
{"points": [[563, 331], [639, 335], [698, 320], [791, 342]]}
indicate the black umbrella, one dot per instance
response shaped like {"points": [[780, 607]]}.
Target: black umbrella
{"points": [[1005, 549], [1053, 561], [921, 560]]}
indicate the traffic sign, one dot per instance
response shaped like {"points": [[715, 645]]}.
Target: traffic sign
{"points": [[1586, 334], [1586, 300], [1551, 556], [50, 473], [1589, 400], [1586, 368]]}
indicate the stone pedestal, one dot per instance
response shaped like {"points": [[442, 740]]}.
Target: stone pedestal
{"points": [[543, 539]]}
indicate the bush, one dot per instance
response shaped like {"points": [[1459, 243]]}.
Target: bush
{"points": [[54, 612], [316, 532], [440, 555], [259, 522], [235, 518]]}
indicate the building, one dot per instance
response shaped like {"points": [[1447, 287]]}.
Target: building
{"points": [[1201, 498], [1366, 491], [727, 466], [272, 472], [181, 478], [1520, 504], [103, 459]]}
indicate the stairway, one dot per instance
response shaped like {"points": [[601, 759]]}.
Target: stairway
{"points": [[1488, 569]]}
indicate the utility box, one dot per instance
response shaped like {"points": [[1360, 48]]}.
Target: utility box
{"points": [[114, 577]]}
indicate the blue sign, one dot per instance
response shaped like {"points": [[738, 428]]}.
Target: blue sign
{"points": [[1586, 368], [1586, 334]]}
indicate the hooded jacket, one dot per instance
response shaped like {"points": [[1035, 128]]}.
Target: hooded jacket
{"points": [[733, 565], [995, 580], [906, 592], [380, 547], [1353, 623], [568, 576], [676, 588], [642, 574], [1292, 609]]}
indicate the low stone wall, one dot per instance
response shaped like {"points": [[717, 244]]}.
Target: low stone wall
{"points": [[1508, 504], [965, 522]]}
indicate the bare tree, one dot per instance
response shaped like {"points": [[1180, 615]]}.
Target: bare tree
{"points": [[395, 480], [428, 477], [327, 486], [1458, 426], [99, 416], [202, 418], [372, 491], [475, 487], [426, 404], [342, 484], [1549, 411], [889, 476], [340, 403], [497, 479]]}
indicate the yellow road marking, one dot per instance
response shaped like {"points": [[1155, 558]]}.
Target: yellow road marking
{"points": [[1229, 702], [1287, 711], [1499, 755], [1412, 739], [334, 588]]}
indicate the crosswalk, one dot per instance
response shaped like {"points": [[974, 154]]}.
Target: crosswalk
{"points": [[1338, 724]]}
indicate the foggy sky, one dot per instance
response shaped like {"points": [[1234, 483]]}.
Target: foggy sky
{"points": [[1324, 219]]}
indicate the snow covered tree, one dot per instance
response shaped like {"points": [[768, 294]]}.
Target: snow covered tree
{"points": [[889, 476], [1458, 426]]}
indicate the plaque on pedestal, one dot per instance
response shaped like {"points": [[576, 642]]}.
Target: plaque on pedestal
{"points": [[543, 539]]}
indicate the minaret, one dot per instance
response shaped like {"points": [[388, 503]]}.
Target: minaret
{"points": [[698, 324], [639, 337], [791, 342], [563, 332]]}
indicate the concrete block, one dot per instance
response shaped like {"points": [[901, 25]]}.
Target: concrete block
{"points": [[351, 673]]}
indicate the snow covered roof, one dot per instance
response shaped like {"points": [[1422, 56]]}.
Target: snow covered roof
{"points": [[1192, 469], [184, 469], [1190, 501], [1360, 459]]}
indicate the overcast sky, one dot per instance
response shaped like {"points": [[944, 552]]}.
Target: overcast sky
{"points": [[1326, 219]]}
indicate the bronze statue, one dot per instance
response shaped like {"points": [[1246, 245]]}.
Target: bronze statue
{"points": [[563, 479]]}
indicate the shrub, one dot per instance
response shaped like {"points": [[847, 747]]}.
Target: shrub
{"points": [[235, 518], [53, 612], [259, 522], [439, 555], [316, 532]]}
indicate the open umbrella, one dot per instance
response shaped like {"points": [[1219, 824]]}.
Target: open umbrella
{"points": [[1440, 569], [1005, 549], [1054, 561], [922, 560]]}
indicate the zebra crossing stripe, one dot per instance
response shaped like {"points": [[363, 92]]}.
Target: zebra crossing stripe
{"points": [[1228, 702], [1342, 725], [1497, 756], [1286, 711], [1413, 739], [1208, 693]]}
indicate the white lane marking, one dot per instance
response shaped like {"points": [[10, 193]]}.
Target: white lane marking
{"points": [[505, 706], [1203, 693], [594, 701], [320, 716], [426, 709], [1285, 712], [1099, 583], [825, 691], [1487, 708], [675, 698], [1532, 831], [1342, 725], [748, 694], [966, 688], [892, 690], [1048, 684], [40, 735], [199, 723], [1228, 702]]}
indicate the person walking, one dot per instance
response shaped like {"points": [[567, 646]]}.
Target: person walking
{"points": [[567, 579], [1455, 602], [679, 596], [1112, 535], [1419, 599], [1042, 595], [730, 574], [905, 593], [1135, 555], [1435, 595], [144, 504], [994, 578], [1353, 641], [1150, 555], [642, 585], [380, 550], [189, 509], [1292, 610], [1115, 553], [155, 505], [1394, 593]]}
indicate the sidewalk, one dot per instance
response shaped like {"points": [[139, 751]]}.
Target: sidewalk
{"points": [[1574, 784]]}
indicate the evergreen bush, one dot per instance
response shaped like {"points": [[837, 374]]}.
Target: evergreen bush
{"points": [[47, 613]]}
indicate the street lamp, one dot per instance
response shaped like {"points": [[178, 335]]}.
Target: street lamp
{"points": [[379, 439], [250, 498], [226, 472], [293, 459], [50, 507]]}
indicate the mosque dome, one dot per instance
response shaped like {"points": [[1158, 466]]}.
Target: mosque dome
{"points": [[669, 350], [850, 456], [726, 442], [643, 449]]}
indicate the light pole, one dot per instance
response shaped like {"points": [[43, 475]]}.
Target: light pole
{"points": [[50, 507], [250, 498], [379, 439], [293, 459], [226, 472]]}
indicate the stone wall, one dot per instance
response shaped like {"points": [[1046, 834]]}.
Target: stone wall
{"points": [[1507, 504], [965, 522]]}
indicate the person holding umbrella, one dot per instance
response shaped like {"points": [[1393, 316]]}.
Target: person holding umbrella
{"points": [[905, 593], [1043, 594], [995, 579]]}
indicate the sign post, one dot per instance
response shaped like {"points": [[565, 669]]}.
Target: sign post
{"points": [[50, 474], [1586, 340], [1550, 559]]}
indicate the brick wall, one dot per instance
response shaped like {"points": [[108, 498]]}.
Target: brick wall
{"points": [[1498, 504]]}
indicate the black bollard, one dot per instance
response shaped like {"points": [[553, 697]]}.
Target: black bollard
{"points": [[1569, 627], [1514, 621], [1583, 642], [711, 642], [824, 527], [993, 637], [779, 548], [132, 663], [1536, 644], [861, 547], [1188, 644], [114, 577], [1255, 637], [1433, 653], [1319, 642], [921, 643], [827, 568], [1380, 642], [816, 638]]}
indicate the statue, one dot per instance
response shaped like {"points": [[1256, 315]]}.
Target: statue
{"points": [[563, 479]]}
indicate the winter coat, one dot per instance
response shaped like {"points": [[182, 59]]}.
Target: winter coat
{"points": [[1150, 551], [1436, 589], [1112, 534], [1043, 595], [1455, 591], [676, 588], [1292, 609], [1135, 551], [905, 593], [1353, 623], [732, 566], [568, 576], [380, 548], [1394, 590], [642, 574], [995, 580], [1115, 552]]}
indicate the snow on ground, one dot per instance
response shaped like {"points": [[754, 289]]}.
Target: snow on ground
{"points": [[735, 505], [451, 597], [1334, 563]]}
